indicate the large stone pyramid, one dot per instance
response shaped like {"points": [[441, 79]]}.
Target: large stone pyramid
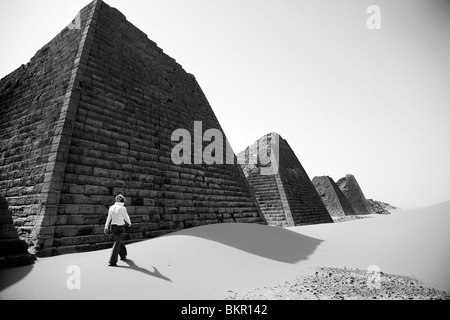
{"points": [[285, 193], [354, 194], [332, 197], [92, 115]]}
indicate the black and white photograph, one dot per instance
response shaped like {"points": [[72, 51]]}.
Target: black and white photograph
{"points": [[235, 152]]}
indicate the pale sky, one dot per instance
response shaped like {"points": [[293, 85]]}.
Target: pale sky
{"points": [[373, 103]]}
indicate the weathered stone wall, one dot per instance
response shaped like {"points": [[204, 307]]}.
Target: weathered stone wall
{"points": [[305, 203], [332, 197], [352, 191], [287, 197], [272, 201], [126, 98], [31, 101], [268, 196], [13, 251]]}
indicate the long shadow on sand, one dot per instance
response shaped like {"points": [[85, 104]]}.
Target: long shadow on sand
{"points": [[133, 266], [274, 243], [10, 276]]}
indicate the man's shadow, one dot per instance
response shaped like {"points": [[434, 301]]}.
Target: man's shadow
{"points": [[155, 273]]}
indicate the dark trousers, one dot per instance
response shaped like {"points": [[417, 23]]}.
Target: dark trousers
{"points": [[118, 247]]}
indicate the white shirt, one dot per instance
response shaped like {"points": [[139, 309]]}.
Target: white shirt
{"points": [[118, 215]]}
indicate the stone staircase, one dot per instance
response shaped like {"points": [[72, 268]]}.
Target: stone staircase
{"points": [[266, 192]]}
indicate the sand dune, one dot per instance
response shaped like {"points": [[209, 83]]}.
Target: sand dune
{"points": [[209, 261], [413, 243]]}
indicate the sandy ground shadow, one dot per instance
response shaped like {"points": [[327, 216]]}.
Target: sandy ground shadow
{"points": [[132, 265], [269, 242]]}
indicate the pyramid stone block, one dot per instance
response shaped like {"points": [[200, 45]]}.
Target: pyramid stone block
{"points": [[281, 186], [352, 191], [332, 197], [92, 115], [13, 251]]}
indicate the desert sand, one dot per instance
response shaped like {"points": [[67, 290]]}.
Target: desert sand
{"points": [[218, 261]]}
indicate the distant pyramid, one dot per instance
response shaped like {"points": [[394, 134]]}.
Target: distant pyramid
{"points": [[332, 197], [90, 116], [283, 190], [354, 194]]}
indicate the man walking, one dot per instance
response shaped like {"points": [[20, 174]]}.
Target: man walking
{"points": [[117, 219]]}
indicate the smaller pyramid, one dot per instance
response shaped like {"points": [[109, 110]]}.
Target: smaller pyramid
{"points": [[332, 197], [13, 251], [352, 191], [280, 184]]}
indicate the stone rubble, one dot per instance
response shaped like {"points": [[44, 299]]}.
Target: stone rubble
{"points": [[343, 284]]}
